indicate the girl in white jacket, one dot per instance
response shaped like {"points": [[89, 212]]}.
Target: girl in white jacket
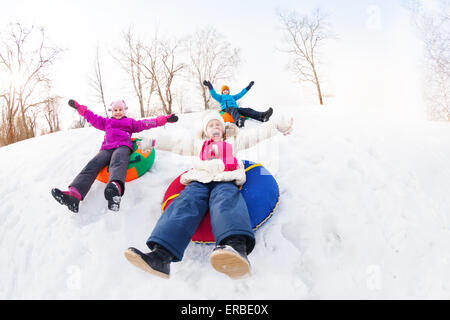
{"points": [[212, 184]]}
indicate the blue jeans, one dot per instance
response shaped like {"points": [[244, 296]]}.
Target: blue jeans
{"points": [[227, 208]]}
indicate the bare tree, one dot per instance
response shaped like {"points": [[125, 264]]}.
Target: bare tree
{"points": [[180, 100], [134, 60], [163, 67], [25, 61], [51, 114], [304, 35], [434, 31], [212, 58], [97, 82]]}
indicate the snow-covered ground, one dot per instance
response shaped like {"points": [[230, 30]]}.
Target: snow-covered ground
{"points": [[364, 213]]}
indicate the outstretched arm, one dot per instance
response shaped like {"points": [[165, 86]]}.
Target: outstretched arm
{"points": [[94, 119], [240, 94], [141, 125], [251, 137], [179, 144], [244, 91], [215, 95], [213, 92]]}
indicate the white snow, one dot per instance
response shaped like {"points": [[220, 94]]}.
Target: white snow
{"points": [[364, 213]]}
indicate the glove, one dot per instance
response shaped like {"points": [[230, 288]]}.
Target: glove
{"points": [[80, 108], [172, 118], [250, 85], [73, 104], [231, 130], [208, 84], [146, 144], [284, 125]]}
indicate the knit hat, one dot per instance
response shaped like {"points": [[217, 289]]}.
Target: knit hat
{"points": [[119, 104], [225, 87], [212, 116]]}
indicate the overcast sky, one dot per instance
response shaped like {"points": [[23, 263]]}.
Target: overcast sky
{"points": [[373, 64]]}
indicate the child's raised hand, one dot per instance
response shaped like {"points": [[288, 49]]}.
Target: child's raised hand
{"points": [[80, 108], [146, 144], [285, 126], [172, 118], [208, 84], [73, 104], [162, 120]]}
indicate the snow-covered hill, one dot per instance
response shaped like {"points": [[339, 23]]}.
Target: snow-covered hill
{"points": [[364, 213]]}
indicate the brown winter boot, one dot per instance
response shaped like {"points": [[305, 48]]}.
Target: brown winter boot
{"points": [[230, 257]]}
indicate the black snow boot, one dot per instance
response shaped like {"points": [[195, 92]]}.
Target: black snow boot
{"points": [[113, 195], [65, 199], [240, 122], [267, 115], [230, 257], [156, 262]]}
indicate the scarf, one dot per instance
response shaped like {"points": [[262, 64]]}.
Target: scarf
{"points": [[219, 150]]}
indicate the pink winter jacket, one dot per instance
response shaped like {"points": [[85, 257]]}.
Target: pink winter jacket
{"points": [[118, 132]]}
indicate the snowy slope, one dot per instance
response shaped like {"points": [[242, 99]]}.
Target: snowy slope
{"points": [[364, 213]]}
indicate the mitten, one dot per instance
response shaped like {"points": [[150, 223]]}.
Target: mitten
{"points": [[73, 104], [146, 144], [172, 118], [231, 130], [250, 85], [208, 84], [80, 108], [284, 125]]}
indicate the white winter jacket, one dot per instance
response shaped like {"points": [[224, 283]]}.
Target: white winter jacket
{"points": [[206, 171]]}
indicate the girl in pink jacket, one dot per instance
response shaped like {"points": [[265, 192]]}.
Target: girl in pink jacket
{"points": [[115, 151]]}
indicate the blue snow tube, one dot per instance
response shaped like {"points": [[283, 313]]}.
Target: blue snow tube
{"points": [[261, 193]]}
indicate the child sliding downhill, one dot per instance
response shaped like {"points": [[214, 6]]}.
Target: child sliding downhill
{"points": [[212, 184], [115, 151], [228, 104]]}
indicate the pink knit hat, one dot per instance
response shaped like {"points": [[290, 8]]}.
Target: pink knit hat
{"points": [[118, 104]]}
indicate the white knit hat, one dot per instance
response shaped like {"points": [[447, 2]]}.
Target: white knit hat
{"points": [[212, 115]]}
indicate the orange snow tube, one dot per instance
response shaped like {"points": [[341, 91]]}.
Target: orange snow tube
{"points": [[228, 118]]}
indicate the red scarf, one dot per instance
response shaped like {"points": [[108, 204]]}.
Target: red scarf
{"points": [[219, 150]]}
